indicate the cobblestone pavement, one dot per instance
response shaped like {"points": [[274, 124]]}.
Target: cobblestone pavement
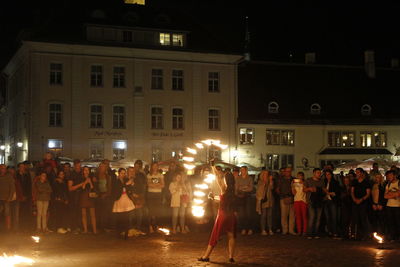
{"points": [[106, 250]]}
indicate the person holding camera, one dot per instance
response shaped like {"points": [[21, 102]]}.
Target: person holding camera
{"points": [[123, 204], [155, 185]]}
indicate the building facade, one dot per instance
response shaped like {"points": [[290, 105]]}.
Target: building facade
{"points": [[105, 99], [309, 115]]}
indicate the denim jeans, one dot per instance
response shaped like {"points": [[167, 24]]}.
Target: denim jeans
{"points": [[314, 219], [266, 219], [245, 213], [178, 212], [330, 210]]}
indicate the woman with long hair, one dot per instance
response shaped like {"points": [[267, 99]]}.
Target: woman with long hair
{"points": [[226, 221], [180, 198], [86, 202]]}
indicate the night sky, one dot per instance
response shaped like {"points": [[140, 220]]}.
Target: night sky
{"points": [[338, 33]]}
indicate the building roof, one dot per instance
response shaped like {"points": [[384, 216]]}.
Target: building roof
{"points": [[340, 91], [68, 26], [355, 151]]}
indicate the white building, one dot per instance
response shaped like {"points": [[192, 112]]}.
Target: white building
{"points": [[122, 93], [308, 115]]}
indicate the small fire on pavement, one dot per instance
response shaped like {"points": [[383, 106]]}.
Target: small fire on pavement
{"points": [[15, 260]]}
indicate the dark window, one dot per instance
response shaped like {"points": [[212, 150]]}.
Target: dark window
{"points": [[177, 80], [119, 77], [55, 115], [96, 116], [177, 119], [213, 82], [157, 79], [96, 76], [56, 74], [157, 118], [118, 117]]}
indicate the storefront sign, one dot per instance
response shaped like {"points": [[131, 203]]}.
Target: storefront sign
{"points": [[107, 133]]}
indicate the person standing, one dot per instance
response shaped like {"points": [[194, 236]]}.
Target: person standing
{"points": [[155, 185], [284, 189], [139, 192], [300, 203], [392, 194], [265, 201], [315, 196], [332, 197], [86, 201], [123, 204], [226, 221], [75, 184], [378, 204], [244, 188], [60, 203], [181, 194], [7, 194], [24, 196], [360, 192], [42, 194], [104, 202]]}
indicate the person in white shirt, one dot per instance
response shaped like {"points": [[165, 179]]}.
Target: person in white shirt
{"points": [[392, 194]]}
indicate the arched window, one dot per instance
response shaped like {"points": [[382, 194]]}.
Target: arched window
{"points": [[366, 110], [315, 109], [273, 107]]}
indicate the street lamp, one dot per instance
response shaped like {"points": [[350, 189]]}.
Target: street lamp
{"points": [[20, 144]]}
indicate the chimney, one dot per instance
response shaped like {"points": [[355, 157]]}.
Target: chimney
{"points": [[369, 63], [310, 58], [394, 62]]}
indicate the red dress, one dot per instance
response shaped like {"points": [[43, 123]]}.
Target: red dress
{"points": [[225, 222]]}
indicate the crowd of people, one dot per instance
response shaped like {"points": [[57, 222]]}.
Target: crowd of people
{"points": [[62, 198]]}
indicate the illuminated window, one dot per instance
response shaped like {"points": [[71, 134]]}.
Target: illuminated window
{"points": [[273, 107], [119, 77], [157, 118], [246, 136], [96, 76], [213, 82], [56, 70], [118, 117], [366, 110], [341, 139], [119, 149], [213, 119], [177, 80], [55, 115], [138, 2], [96, 149], [373, 139], [156, 154], [277, 161], [55, 146], [280, 137], [177, 39], [177, 118], [96, 116], [157, 79], [315, 109], [287, 137], [165, 39]]}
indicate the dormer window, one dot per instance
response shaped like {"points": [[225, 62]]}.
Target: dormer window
{"points": [[273, 107], [315, 109], [366, 110], [177, 39]]}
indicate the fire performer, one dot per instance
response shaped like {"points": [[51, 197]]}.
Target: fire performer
{"points": [[226, 221]]}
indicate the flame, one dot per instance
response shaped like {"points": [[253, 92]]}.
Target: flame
{"points": [[209, 178], [191, 150], [199, 193], [11, 261], [189, 166], [198, 211], [198, 201], [378, 238], [36, 239], [201, 186], [164, 230], [199, 145], [189, 159]]}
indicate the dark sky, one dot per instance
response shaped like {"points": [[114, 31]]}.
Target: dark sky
{"points": [[337, 32]]}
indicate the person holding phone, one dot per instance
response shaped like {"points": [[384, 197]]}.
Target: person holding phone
{"points": [[300, 203], [155, 185]]}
